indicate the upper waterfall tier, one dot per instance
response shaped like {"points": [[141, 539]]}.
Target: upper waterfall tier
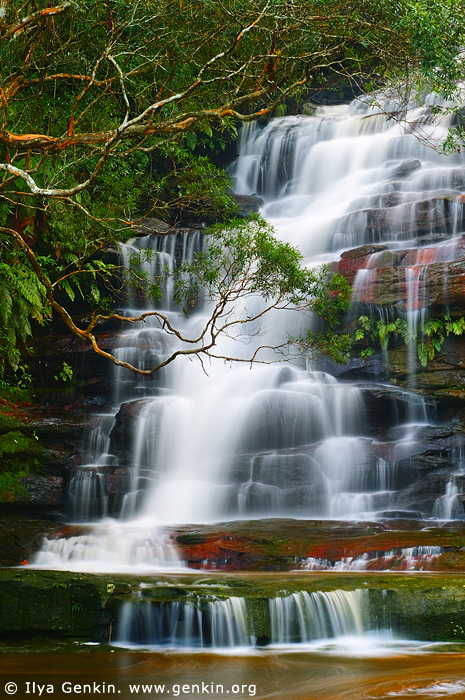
{"points": [[349, 176]]}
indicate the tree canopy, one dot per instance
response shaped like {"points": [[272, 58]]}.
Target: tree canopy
{"points": [[108, 109]]}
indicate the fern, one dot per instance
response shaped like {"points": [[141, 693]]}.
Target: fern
{"points": [[68, 289], [456, 327], [422, 354], [95, 293], [22, 298], [6, 306], [429, 339]]}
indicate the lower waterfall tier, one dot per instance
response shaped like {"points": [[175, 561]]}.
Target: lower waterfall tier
{"points": [[243, 611]]}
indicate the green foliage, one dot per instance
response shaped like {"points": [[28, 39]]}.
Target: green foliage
{"points": [[184, 71], [18, 454], [329, 343], [22, 297], [428, 340], [141, 281], [434, 29], [454, 140], [13, 395], [65, 374], [14, 442], [192, 184], [245, 259]]}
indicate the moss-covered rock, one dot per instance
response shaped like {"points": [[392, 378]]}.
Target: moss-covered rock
{"points": [[52, 604], [89, 607], [19, 455], [38, 449]]}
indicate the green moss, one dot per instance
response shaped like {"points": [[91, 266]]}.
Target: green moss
{"points": [[274, 546], [7, 422], [14, 442], [259, 619], [191, 538], [19, 455], [62, 604], [12, 488], [78, 606]]}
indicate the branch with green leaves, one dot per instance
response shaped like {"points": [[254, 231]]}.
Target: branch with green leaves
{"points": [[109, 111], [242, 261]]}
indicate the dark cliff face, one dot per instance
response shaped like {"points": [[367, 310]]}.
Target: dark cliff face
{"points": [[407, 280], [389, 283]]}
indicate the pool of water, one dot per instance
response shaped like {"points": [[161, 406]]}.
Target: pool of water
{"points": [[411, 672]]}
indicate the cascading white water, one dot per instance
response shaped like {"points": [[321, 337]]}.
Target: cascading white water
{"points": [[88, 496], [199, 623], [278, 440], [344, 178], [302, 617], [449, 506], [112, 545], [406, 559], [298, 618]]}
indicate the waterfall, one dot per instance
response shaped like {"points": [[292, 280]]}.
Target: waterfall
{"points": [[348, 177], [277, 440], [420, 558], [449, 506], [198, 623], [111, 545], [302, 617], [207, 622]]}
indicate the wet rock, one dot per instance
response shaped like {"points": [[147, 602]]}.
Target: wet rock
{"points": [[440, 285], [282, 544], [49, 424], [21, 537], [59, 436], [89, 607], [421, 450], [122, 432], [44, 490], [280, 468], [362, 251], [248, 203], [404, 169], [420, 463], [374, 368], [389, 283], [385, 405], [36, 459], [426, 437], [401, 514], [281, 419], [119, 481], [425, 492], [89, 385], [97, 491], [149, 226], [59, 604], [409, 220], [443, 378]]}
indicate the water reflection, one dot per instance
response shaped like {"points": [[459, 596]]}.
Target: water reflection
{"points": [[303, 676]]}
